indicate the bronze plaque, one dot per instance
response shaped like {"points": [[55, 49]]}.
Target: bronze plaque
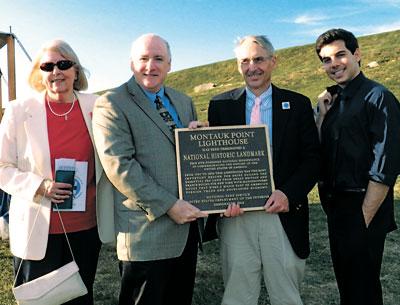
{"points": [[222, 165]]}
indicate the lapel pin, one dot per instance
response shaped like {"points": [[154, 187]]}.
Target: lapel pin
{"points": [[285, 105]]}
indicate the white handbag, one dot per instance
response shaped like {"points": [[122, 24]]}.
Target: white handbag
{"points": [[54, 288]]}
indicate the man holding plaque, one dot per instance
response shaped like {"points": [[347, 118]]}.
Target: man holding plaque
{"points": [[157, 234], [274, 242]]}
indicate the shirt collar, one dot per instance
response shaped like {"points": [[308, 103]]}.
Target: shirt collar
{"points": [[152, 96], [353, 86], [266, 95]]}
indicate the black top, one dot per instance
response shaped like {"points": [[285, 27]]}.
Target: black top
{"points": [[363, 142]]}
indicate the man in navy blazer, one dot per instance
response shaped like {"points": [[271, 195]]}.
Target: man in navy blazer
{"points": [[273, 242]]}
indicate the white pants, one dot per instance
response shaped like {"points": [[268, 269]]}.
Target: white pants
{"points": [[253, 245]]}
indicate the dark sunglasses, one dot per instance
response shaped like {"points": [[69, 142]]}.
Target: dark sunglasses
{"points": [[61, 64]]}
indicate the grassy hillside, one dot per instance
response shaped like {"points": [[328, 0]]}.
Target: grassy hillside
{"points": [[298, 69]]}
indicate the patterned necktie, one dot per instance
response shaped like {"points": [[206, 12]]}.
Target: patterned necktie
{"points": [[255, 117], [166, 116]]}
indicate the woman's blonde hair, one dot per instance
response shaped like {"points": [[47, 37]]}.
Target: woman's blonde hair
{"points": [[35, 79]]}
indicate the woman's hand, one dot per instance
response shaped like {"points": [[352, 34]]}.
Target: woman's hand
{"points": [[57, 192]]}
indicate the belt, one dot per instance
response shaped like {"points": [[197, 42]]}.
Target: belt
{"points": [[352, 190], [341, 189]]}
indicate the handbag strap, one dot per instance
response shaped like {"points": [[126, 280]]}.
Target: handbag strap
{"points": [[30, 235], [65, 232]]}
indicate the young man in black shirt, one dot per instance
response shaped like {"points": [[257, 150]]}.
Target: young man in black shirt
{"points": [[359, 125]]}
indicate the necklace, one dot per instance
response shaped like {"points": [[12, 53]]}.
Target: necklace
{"points": [[65, 114]]}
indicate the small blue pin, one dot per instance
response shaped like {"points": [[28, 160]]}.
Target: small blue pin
{"points": [[285, 105]]}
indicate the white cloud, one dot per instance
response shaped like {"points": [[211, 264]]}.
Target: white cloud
{"points": [[308, 19]]}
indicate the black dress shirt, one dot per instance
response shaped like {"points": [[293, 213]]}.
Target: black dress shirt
{"points": [[361, 143]]}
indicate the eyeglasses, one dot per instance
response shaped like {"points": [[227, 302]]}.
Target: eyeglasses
{"points": [[256, 60], [61, 64]]}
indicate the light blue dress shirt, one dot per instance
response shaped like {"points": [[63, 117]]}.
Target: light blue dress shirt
{"points": [[166, 102], [265, 109]]}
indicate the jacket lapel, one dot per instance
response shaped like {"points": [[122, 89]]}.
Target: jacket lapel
{"points": [[238, 109], [86, 106], [279, 119], [86, 103], [178, 105], [141, 100], [36, 128]]}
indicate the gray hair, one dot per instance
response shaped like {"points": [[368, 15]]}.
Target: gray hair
{"points": [[261, 40], [35, 79], [137, 40]]}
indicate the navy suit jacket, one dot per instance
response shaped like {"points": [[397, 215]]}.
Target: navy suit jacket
{"points": [[295, 147]]}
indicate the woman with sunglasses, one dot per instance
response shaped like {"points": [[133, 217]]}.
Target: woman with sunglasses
{"points": [[54, 124]]}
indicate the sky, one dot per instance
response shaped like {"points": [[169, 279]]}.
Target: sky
{"points": [[199, 31]]}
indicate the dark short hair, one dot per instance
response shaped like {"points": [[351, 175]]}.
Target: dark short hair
{"points": [[350, 41]]}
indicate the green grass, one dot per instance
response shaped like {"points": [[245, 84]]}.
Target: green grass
{"points": [[299, 69], [319, 286], [6, 274]]}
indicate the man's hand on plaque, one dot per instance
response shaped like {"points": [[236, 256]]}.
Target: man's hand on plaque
{"points": [[183, 212], [198, 124], [277, 203], [232, 210]]}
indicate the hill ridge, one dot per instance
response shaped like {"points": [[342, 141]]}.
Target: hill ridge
{"points": [[298, 69]]}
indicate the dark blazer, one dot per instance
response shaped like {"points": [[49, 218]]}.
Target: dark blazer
{"points": [[137, 150], [295, 152]]}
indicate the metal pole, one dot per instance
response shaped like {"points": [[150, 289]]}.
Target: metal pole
{"points": [[22, 47]]}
